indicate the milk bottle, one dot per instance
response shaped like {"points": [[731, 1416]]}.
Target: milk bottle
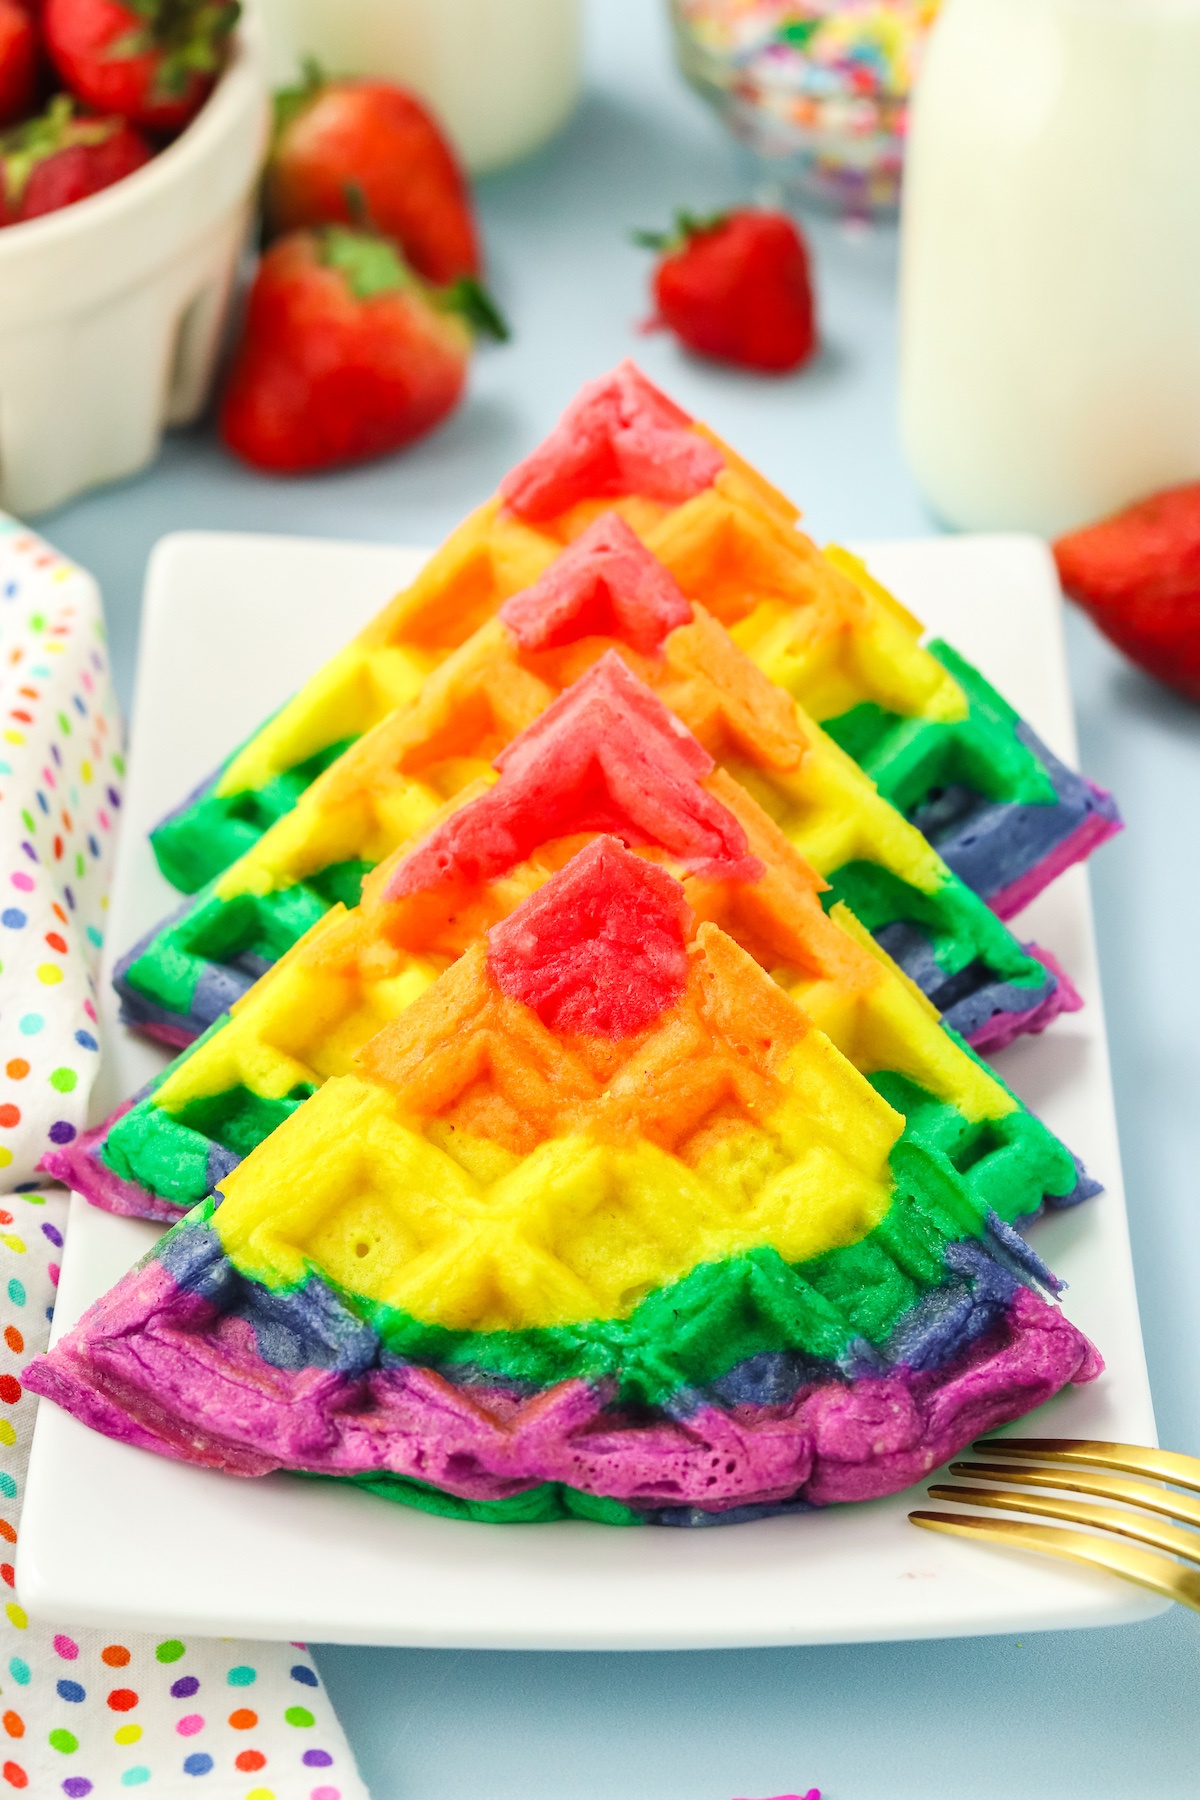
{"points": [[1050, 282]]}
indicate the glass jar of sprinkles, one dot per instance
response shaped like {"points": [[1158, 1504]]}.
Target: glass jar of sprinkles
{"points": [[817, 88]]}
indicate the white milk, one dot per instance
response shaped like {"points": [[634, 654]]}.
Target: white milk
{"points": [[501, 75], [1050, 286]]}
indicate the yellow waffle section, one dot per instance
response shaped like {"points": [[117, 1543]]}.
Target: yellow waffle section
{"points": [[389, 785], [833, 814], [466, 1233], [817, 624], [488, 558], [822, 802]]}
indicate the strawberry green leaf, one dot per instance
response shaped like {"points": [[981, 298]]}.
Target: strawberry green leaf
{"points": [[369, 265], [188, 37], [30, 143], [472, 302]]}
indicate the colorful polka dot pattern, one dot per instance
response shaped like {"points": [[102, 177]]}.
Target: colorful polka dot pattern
{"points": [[60, 798], [92, 1716], [83, 1714]]}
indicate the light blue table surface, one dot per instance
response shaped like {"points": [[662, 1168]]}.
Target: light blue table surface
{"points": [[1101, 1715]]}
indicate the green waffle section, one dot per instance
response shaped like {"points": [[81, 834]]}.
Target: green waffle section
{"points": [[247, 931], [196, 844], [546, 1504], [961, 930], [172, 1155], [909, 760], [949, 1175]]}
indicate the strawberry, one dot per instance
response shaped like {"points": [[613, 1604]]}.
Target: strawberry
{"points": [[53, 160], [736, 287], [346, 353], [152, 61], [1137, 574], [338, 139], [18, 61]]}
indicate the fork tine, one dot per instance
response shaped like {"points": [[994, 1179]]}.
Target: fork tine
{"points": [[1105, 1487], [1080, 1512], [1161, 1574], [1134, 1459]]}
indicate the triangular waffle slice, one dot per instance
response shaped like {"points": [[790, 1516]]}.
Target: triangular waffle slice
{"points": [[940, 742], [603, 1223], [605, 591], [607, 757], [627, 446]]}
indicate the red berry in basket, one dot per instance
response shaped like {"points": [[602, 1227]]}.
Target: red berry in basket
{"points": [[346, 353], [153, 61], [53, 160], [1138, 576], [736, 287], [18, 61], [348, 152]]}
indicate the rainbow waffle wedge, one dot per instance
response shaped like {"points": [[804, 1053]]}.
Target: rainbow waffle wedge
{"points": [[623, 444], [603, 1224], [607, 757], [940, 743], [604, 597]]}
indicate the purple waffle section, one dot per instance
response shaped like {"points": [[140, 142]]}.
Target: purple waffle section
{"points": [[79, 1167], [1002, 1028], [173, 1036], [1095, 830], [154, 1365]]}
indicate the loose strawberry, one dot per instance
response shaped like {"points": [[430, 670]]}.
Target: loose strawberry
{"points": [[1138, 576], [736, 287], [337, 139], [152, 61], [18, 61], [53, 160], [346, 353]]}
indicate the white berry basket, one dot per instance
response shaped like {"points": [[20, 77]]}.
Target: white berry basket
{"points": [[111, 311]]}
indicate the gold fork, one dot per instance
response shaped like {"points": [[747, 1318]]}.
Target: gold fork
{"points": [[1067, 1465]]}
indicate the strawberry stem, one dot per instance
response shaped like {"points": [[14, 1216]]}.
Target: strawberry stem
{"points": [[687, 226], [290, 102], [356, 206]]}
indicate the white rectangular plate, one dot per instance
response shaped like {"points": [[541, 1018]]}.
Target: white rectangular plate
{"points": [[232, 624]]}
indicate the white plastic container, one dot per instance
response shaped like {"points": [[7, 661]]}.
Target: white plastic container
{"points": [[501, 75], [111, 310], [1050, 342]]}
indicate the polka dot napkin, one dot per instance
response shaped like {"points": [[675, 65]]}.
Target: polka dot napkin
{"points": [[94, 1716], [83, 1713], [60, 795]]}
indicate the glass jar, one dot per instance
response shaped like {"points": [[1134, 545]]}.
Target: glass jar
{"points": [[817, 88]]}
